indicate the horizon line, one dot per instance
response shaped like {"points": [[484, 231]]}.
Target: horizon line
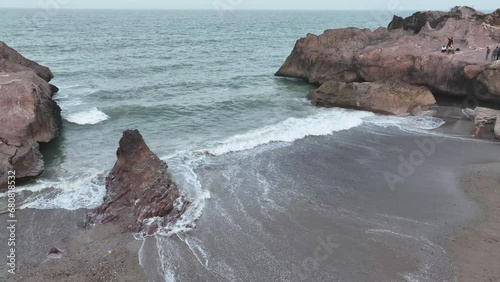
{"points": [[235, 9]]}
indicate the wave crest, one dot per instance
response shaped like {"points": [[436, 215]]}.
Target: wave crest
{"points": [[323, 123]]}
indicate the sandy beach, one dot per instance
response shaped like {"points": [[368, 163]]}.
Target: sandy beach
{"points": [[102, 254], [401, 225], [476, 248]]}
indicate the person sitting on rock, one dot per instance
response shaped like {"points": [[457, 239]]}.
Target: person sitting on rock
{"points": [[495, 54], [443, 49], [488, 51], [450, 42], [451, 50]]}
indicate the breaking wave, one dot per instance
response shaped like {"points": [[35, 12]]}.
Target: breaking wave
{"points": [[323, 123], [92, 116]]}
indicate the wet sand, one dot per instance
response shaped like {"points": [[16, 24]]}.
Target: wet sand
{"points": [[476, 248], [270, 210]]}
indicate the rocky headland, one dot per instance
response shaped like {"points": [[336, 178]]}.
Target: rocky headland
{"points": [[139, 188], [28, 115], [408, 51]]}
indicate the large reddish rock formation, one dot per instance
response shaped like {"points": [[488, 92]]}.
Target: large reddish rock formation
{"points": [[412, 55], [28, 115], [139, 187], [392, 97]]}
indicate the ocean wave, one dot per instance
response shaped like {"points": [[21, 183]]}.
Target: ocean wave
{"points": [[183, 171], [67, 86], [82, 192], [407, 123], [92, 116], [323, 123]]}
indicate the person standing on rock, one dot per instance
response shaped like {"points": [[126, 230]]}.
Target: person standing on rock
{"points": [[498, 53], [450, 43], [488, 51], [495, 54]]}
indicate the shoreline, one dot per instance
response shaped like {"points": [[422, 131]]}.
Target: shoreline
{"points": [[105, 253], [102, 253], [475, 249]]}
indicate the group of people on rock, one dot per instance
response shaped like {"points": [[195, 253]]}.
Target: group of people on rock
{"points": [[495, 55], [449, 47]]}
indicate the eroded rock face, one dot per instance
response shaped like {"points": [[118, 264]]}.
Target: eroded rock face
{"points": [[28, 115], [139, 186], [490, 77], [391, 97], [25, 159], [435, 19], [12, 61], [361, 55], [27, 111]]}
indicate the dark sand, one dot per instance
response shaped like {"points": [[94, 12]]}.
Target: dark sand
{"points": [[101, 254], [476, 248], [269, 209]]}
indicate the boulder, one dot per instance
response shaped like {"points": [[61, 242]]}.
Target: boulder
{"points": [[396, 23], [490, 78], [28, 115], [484, 119], [12, 61], [27, 110], [25, 159], [138, 187], [412, 56], [390, 97]]}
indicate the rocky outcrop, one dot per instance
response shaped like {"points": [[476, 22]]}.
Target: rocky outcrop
{"points": [[484, 119], [493, 18], [412, 56], [28, 115], [392, 97], [12, 61], [138, 188], [435, 19], [490, 77]]}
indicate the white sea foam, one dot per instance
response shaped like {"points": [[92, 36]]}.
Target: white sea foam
{"points": [[92, 116], [323, 123], [69, 86], [182, 168], [70, 194], [407, 123]]}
